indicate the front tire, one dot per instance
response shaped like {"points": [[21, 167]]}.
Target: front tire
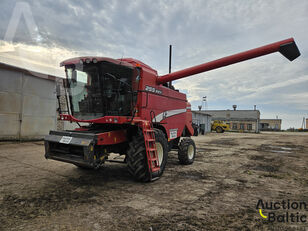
{"points": [[162, 151], [187, 151], [137, 159]]}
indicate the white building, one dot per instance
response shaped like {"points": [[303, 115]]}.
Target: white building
{"points": [[27, 103], [203, 120], [238, 120]]}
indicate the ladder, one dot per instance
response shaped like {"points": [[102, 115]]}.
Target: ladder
{"points": [[150, 146]]}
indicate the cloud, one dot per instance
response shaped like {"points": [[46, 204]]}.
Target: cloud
{"points": [[35, 58], [199, 31]]}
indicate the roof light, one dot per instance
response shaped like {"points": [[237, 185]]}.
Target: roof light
{"points": [[88, 61], [94, 60]]}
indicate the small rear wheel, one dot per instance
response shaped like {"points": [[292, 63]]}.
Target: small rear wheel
{"points": [[187, 151]]}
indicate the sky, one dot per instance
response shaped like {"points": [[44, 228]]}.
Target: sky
{"points": [[38, 35]]}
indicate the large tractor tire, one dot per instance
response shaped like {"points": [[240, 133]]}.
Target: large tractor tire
{"points": [[162, 151], [187, 151], [137, 159], [219, 130]]}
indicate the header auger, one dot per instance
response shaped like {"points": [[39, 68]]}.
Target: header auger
{"points": [[132, 111]]}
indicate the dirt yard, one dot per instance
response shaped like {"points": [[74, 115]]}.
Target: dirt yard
{"points": [[219, 191]]}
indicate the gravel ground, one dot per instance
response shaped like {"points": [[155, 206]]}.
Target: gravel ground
{"points": [[220, 191]]}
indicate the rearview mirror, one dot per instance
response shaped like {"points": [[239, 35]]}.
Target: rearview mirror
{"points": [[74, 76]]}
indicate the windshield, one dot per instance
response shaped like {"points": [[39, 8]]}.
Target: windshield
{"points": [[101, 89]]}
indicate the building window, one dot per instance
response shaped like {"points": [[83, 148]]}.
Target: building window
{"points": [[234, 126], [249, 126], [242, 127]]}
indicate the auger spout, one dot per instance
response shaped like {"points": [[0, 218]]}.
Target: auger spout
{"points": [[286, 47]]}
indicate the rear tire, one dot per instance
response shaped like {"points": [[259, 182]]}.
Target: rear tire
{"points": [[137, 159], [187, 151]]}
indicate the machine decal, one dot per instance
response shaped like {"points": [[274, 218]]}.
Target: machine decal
{"points": [[173, 133], [153, 89], [65, 139], [166, 114]]}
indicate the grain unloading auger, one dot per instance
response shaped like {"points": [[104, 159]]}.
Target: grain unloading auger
{"points": [[132, 111]]}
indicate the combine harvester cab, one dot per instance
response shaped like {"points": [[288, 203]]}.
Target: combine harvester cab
{"points": [[132, 111]]}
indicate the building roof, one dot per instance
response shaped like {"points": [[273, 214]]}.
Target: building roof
{"points": [[270, 120], [29, 72], [233, 115], [201, 112]]}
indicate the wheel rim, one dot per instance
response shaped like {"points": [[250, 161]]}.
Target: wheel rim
{"points": [[160, 152], [190, 151]]}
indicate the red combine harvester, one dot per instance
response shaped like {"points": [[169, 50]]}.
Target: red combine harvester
{"points": [[132, 111]]}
